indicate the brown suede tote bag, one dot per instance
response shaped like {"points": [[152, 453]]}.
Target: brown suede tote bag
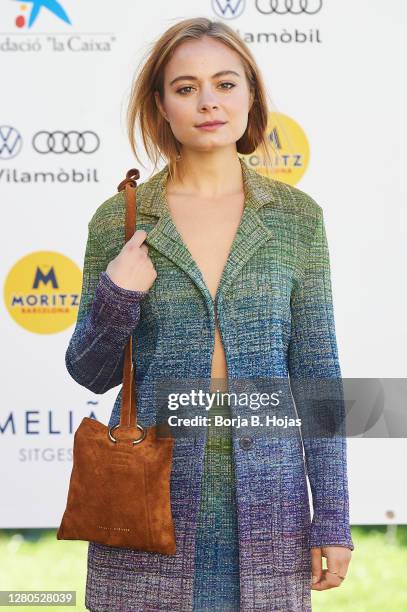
{"points": [[119, 490]]}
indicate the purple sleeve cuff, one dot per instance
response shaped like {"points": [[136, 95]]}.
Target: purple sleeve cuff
{"points": [[115, 306], [120, 291], [328, 533], [95, 355]]}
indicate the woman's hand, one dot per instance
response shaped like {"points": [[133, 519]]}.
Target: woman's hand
{"points": [[132, 268], [337, 558]]}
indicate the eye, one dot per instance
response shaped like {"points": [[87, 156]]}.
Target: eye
{"points": [[228, 83], [183, 88], [182, 91]]}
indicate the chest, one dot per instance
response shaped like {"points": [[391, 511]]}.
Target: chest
{"points": [[207, 228]]}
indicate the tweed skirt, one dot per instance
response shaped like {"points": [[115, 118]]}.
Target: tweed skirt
{"points": [[216, 579]]}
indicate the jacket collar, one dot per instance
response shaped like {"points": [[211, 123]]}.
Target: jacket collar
{"points": [[251, 234]]}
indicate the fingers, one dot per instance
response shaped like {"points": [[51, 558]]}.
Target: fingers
{"points": [[334, 574], [316, 564], [336, 570], [328, 580], [138, 238]]}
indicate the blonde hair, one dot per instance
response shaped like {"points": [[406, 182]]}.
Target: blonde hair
{"points": [[157, 136]]}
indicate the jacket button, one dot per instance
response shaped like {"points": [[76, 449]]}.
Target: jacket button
{"points": [[245, 442]]}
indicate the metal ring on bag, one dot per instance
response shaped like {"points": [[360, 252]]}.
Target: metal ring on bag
{"points": [[134, 441]]}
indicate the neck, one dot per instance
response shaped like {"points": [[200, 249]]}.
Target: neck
{"points": [[204, 176]]}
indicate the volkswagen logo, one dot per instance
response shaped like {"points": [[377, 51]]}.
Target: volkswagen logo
{"points": [[282, 7], [10, 142], [66, 142], [228, 9]]}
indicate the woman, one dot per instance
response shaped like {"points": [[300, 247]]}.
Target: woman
{"points": [[233, 286]]}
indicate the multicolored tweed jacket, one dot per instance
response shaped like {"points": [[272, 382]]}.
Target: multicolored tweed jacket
{"points": [[275, 313]]}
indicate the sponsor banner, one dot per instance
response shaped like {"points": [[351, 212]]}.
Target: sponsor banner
{"points": [[67, 68]]}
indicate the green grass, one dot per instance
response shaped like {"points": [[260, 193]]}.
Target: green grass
{"points": [[33, 559], [377, 579]]}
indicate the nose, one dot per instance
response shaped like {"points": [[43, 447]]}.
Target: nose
{"points": [[204, 106], [207, 100]]}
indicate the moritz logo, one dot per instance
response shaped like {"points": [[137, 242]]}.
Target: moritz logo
{"points": [[42, 292], [38, 7]]}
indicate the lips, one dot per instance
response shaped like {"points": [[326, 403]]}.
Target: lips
{"points": [[207, 123]]}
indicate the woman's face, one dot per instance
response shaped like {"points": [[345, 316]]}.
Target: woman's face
{"points": [[196, 92]]}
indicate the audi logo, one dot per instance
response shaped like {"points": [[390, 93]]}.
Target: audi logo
{"points": [[66, 142], [282, 7]]}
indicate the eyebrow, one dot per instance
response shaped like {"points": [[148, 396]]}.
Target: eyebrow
{"points": [[189, 77]]}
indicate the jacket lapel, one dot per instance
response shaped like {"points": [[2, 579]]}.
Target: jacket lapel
{"points": [[165, 238], [251, 235]]}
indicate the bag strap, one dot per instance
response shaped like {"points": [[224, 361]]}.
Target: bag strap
{"points": [[128, 408]]}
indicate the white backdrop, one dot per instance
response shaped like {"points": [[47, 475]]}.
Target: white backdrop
{"points": [[345, 90]]}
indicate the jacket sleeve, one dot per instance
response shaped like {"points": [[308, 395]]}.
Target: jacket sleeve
{"points": [[107, 316], [313, 362]]}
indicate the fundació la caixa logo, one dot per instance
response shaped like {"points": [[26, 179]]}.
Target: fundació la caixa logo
{"points": [[37, 8]]}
